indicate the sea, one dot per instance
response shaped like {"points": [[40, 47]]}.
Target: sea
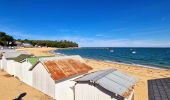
{"points": [[148, 57]]}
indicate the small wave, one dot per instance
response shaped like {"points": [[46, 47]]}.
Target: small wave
{"points": [[148, 57]]}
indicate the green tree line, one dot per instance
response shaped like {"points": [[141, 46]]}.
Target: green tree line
{"points": [[50, 43], [7, 40]]}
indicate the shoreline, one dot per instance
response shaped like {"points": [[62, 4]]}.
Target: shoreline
{"points": [[134, 65], [143, 74], [113, 62]]}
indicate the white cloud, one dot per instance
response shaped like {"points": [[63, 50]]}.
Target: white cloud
{"points": [[89, 41], [99, 35], [123, 43], [95, 42], [14, 33], [20, 35]]}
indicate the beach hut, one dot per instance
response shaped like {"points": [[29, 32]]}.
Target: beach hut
{"points": [[2, 58], [54, 75], [26, 73], [159, 89], [17, 65], [0, 61], [23, 68], [27, 45], [7, 61], [107, 84]]}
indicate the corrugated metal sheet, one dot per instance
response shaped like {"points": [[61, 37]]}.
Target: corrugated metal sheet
{"points": [[7, 50], [65, 68], [112, 80], [21, 57], [77, 57], [159, 89], [43, 59], [11, 54]]}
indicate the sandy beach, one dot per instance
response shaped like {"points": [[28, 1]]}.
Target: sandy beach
{"points": [[143, 74], [11, 88], [38, 51], [141, 89]]}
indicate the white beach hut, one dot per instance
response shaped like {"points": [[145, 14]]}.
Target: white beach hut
{"points": [[54, 76], [7, 61], [105, 85], [0, 61], [23, 64], [8, 58], [3, 62], [26, 73], [18, 65], [2, 58]]}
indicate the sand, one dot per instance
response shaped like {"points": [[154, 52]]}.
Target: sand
{"points": [[38, 51], [141, 73], [11, 88]]}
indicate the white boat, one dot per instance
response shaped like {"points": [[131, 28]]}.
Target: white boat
{"points": [[111, 50], [134, 52]]}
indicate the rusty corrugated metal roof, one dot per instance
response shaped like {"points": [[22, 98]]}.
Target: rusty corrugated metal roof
{"points": [[77, 57], [65, 68]]}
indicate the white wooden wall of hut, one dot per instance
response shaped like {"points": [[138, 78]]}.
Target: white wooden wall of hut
{"points": [[4, 63], [43, 81], [26, 74], [89, 92], [18, 68], [64, 90], [11, 69], [0, 63]]}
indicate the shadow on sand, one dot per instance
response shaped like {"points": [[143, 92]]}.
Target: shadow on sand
{"points": [[8, 75], [20, 96]]}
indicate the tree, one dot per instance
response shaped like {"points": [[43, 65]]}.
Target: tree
{"points": [[50, 43], [6, 40]]}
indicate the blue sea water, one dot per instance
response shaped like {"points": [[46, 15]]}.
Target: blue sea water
{"points": [[155, 57]]}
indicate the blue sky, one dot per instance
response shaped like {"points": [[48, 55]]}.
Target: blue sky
{"points": [[98, 23]]}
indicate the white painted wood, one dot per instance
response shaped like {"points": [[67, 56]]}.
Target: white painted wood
{"points": [[64, 90], [43, 81], [26, 74], [89, 92], [11, 67], [84, 91], [0, 63], [18, 68], [4, 63]]}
